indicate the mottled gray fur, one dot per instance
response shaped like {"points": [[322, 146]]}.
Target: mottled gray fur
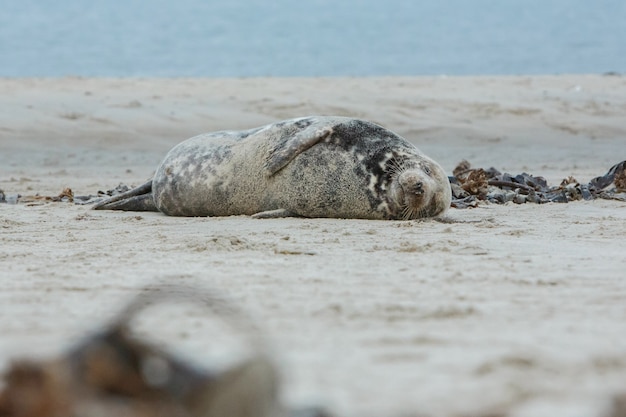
{"points": [[313, 167]]}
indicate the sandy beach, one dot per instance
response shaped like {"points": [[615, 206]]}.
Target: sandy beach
{"points": [[516, 310]]}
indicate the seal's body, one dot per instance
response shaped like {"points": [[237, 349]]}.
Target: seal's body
{"points": [[312, 167]]}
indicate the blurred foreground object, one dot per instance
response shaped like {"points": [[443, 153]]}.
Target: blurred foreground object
{"points": [[113, 374]]}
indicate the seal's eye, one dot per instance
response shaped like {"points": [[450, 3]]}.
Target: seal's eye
{"points": [[426, 169]]}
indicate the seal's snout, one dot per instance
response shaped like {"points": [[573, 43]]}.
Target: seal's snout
{"points": [[417, 188], [411, 184]]}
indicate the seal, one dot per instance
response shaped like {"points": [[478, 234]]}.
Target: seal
{"points": [[318, 166]]}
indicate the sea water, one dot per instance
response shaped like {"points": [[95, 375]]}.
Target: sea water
{"points": [[241, 38]]}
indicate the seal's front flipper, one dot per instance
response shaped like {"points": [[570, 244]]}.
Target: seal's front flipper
{"points": [[286, 151], [137, 199], [274, 214]]}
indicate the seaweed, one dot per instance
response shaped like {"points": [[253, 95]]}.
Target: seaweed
{"points": [[472, 186]]}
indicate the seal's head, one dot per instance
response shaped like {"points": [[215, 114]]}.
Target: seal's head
{"points": [[419, 188]]}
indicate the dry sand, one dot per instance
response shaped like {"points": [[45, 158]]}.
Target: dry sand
{"points": [[518, 309]]}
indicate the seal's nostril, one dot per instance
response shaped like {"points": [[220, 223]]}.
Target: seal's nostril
{"points": [[417, 188]]}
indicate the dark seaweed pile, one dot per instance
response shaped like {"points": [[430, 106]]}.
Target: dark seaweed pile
{"points": [[66, 196], [472, 186]]}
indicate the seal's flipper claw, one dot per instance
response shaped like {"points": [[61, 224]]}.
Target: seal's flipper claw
{"points": [[284, 153], [275, 214], [137, 199]]}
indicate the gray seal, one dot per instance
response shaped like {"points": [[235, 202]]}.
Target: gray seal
{"points": [[312, 167]]}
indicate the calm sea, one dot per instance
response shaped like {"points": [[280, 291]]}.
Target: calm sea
{"points": [[235, 38]]}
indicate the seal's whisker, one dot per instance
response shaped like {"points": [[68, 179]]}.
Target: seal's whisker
{"points": [[407, 212], [396, 167], [394, 171]]}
